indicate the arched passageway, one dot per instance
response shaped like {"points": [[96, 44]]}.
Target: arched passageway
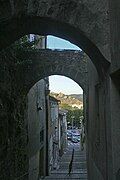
{"points": [[87, 26], [80, 27], [25, 73], [22, 76], [42, 152], [43, 63]]}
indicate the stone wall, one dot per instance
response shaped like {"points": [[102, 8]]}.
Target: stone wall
{"points": [[18, 75], [115, 88], [42, 63], [93, 26], [96, 125], [36, 117], [102, 126], [13, 127], [84, 23]]}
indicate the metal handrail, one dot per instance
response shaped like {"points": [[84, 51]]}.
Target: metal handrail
{"points": [[71, 162]]}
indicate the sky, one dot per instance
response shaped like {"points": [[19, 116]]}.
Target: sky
{"points": [[62, 83], [58, 43]]}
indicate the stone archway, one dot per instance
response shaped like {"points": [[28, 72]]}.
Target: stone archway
{"points": [[43, 63], [85, 24], [18, 75]]}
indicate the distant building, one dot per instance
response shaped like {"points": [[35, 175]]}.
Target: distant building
{"points": [[41, 41], [62, 131], [53, 133], [80, 106], [57, 132]]}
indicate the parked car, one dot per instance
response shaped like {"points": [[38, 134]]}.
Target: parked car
{"points": [[74, 139], [78, 137], [69, 135]]}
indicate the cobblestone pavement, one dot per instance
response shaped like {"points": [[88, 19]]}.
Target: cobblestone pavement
{"points": [[79, 169]]}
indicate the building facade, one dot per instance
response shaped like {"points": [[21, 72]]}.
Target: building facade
{"points": [[36, 114], [62, 131], [53, 133]]}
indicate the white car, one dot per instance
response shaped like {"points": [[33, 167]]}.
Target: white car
{"points": [[75, 137]]}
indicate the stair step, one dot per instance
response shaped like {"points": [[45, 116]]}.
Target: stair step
{"points": [[81, 171], [79, 167], [66, 176]]}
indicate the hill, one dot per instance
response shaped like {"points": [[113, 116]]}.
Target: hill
{"points": [[77, 96], [73, 100]]}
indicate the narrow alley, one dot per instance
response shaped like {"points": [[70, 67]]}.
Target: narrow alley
{"points": [[79, 167]]}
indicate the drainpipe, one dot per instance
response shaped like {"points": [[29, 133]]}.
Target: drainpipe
{"points": [[47, 120]]}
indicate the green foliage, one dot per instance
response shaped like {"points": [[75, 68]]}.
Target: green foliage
{"points": [[73, 112], [25, 43], [66, 106]]}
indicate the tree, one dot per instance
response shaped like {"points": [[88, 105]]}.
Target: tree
{"points": [[73, 112], [25, 43]]}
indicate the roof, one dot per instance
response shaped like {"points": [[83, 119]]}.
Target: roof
{"points": [[51, 98]]}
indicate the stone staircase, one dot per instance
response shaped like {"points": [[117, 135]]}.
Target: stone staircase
{"points": [[79, 168]]}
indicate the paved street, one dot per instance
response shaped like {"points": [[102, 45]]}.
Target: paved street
{"points": [[79, 170]]}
